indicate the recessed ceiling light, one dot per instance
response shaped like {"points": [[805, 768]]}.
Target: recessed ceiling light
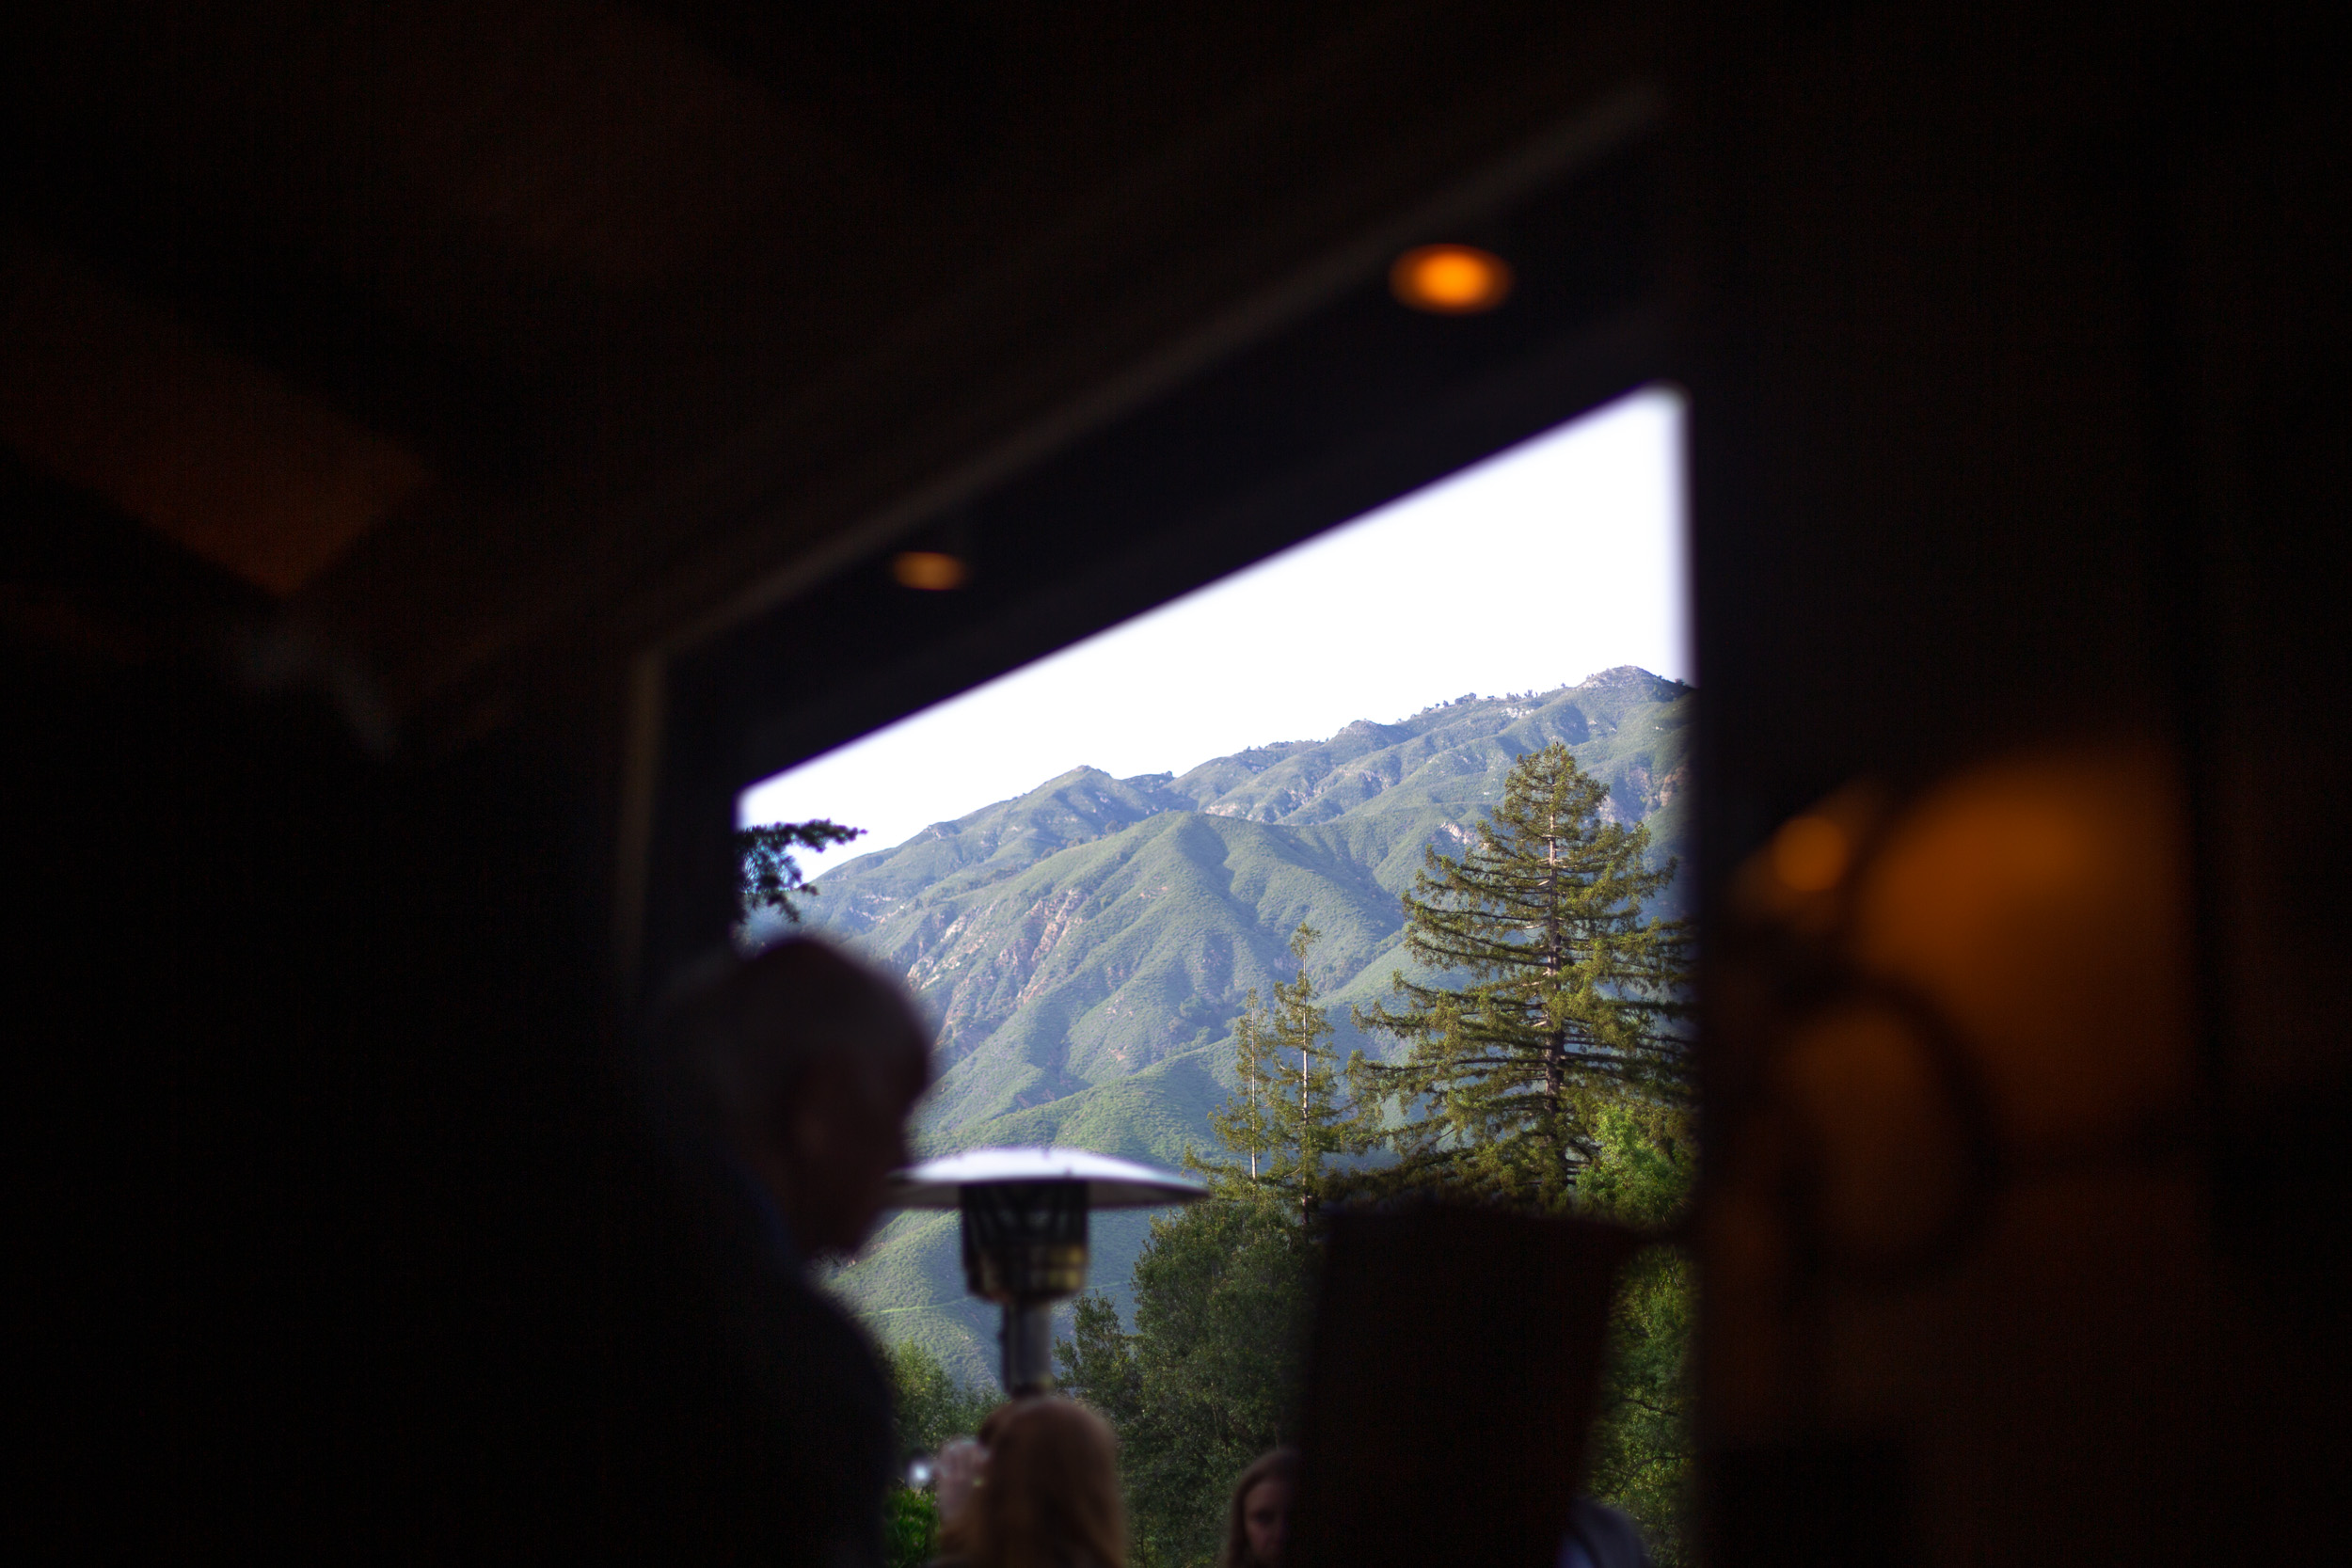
{"points": [[933, 571], [1451, 280]]}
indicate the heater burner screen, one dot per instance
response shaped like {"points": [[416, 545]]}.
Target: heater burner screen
{"points": [[1024, 1240]]}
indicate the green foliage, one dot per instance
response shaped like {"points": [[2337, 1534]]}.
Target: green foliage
{"points": [[1211, 1376], [1285, 1116], [770, 875], [927, 1405], [1548, 1073], [1553, 997], [1644, 1168], [1097, 1363], [909, 1527], [929, 1408], [1641, 1174]]}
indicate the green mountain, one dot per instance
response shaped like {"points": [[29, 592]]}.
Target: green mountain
{"points": [[1087, 946]]}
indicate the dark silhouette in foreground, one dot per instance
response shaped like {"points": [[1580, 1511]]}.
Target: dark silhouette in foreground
{"points": [[788, 1077]]}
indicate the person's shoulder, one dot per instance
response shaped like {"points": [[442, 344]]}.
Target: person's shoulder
{"points": [[1610, 1535], [800, 1327]]}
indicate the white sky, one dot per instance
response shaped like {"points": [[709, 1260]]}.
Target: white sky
{"points": [[1555, 558]]}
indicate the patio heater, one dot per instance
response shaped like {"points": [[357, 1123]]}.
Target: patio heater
{"points": [[1025, 1231]]}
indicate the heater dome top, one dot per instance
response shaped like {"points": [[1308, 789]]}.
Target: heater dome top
{"points": [[1111, 1184]]}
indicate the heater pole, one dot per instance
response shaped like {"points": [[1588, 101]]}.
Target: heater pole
{"points": [[1029, 1337]]}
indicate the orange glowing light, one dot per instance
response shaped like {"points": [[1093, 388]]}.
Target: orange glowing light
{"points": [[933, 571], [1451, 280], [1810, 853]]}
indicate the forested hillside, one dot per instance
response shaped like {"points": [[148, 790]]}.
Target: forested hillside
{"points": [[1087, 946]]}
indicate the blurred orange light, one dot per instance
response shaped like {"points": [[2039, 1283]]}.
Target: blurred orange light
{"points": [[1810, 853], [1451, 280], [934, 571]]}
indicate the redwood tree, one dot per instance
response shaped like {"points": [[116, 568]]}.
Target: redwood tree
{"points": [[1551, 994]]}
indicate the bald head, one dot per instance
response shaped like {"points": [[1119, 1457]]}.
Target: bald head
{"points": [[805, 1063]]}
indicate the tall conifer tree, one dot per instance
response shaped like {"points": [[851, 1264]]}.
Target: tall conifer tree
{"points": [[1563, 999], [1286, 1116]]}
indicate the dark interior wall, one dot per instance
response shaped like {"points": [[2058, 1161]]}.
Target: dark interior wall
{"points": [[1922, 442], [2258, 217], [2016, 423], [345, 1225], [2257, 212], [339, 1231]]}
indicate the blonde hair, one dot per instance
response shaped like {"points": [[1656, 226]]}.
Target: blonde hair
{"points": [[1051, 1498]]}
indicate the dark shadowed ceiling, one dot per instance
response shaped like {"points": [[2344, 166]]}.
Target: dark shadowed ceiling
{"points": [[484, 338]]}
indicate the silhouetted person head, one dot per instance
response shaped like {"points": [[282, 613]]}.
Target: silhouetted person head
{"points": [[1257, 1525], [803, 1064], [1050, 1496]]}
